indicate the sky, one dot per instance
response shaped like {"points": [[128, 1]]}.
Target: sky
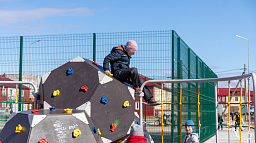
{"points": [[207, 26]]}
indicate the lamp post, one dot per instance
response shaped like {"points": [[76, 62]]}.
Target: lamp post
{"points": [[246, 100], [248, 48], [30, 60]]}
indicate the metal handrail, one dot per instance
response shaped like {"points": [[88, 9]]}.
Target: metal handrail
{"points": [[215, 80], [20, 82]]}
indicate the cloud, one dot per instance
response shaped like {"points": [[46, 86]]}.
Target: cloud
{"points": [[15, 16]]}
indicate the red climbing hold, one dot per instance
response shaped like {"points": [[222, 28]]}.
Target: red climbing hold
{"points": [[35, 111], [43, 140], [112, 127], [96, 64], [85, 88]]}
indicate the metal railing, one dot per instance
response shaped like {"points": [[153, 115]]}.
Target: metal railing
{"points": [[22, 82], [215, 80]]}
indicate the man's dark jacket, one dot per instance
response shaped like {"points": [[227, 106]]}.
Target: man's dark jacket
{"points": [[118, 58]]}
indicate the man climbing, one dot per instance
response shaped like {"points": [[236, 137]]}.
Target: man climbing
{"points": [[119, 59]]}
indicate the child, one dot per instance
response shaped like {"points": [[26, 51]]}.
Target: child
{"points": [[191, 136], [136, 135]]}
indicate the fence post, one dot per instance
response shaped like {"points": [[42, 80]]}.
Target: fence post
{"points": [[145, 107], [197, 77], [172, 106], [94, 47], [20, 70], [179, 70], [189, 86], [216, 110]]}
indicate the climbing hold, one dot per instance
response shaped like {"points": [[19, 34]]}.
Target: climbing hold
{"points": [[126, 103], [99, 133], [120, 141], [112, 127], [76, 133], [69, 111], [109, 74], [94, 130], [96, 64], [35, 111], [56, 92], [31, 99], [85, 88], [104, 100], [52, 108], [43, 140], [70, 71], [18, 129]]}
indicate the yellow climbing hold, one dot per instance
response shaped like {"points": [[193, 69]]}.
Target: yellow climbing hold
{"points": [[18, 129], [76, 133], [109, 74], [99, 133], [56, 92], [126, 103], [68, 110]]}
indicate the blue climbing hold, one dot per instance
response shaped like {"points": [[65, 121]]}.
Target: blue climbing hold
{"points": [[94, 130], [104, 100], [52, 108], [70, 71]]}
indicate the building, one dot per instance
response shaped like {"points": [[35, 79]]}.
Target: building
{"points": [[155, 89], [223, 97], [8, 94], [27, 78]]}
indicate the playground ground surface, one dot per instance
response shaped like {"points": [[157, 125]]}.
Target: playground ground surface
{"points": [[234, 136]]}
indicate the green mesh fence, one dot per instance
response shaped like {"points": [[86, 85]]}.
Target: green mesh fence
{"points": [[161, 55]]}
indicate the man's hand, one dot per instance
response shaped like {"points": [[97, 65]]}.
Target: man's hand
{"points": [[107, 72]]}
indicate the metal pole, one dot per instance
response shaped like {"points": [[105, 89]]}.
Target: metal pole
{"points": [[20, 82], [254, 104], [141, 95], [216, 110], [245, 95], [20, 70], [162, 124], [94, 47], [248, 57]]}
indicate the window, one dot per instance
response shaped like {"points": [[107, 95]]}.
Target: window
{"points": [[236, 98], [243, 98], [223, 98], [22, 93], [3, 92], [3, 104], [137, 105]]}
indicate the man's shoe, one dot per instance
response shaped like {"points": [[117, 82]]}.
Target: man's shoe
{"points": [[137, 90], [152, 102]]}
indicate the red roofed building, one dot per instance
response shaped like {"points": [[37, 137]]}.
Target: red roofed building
{"points": [[8, 92], [155, 89], [223, 97]]}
